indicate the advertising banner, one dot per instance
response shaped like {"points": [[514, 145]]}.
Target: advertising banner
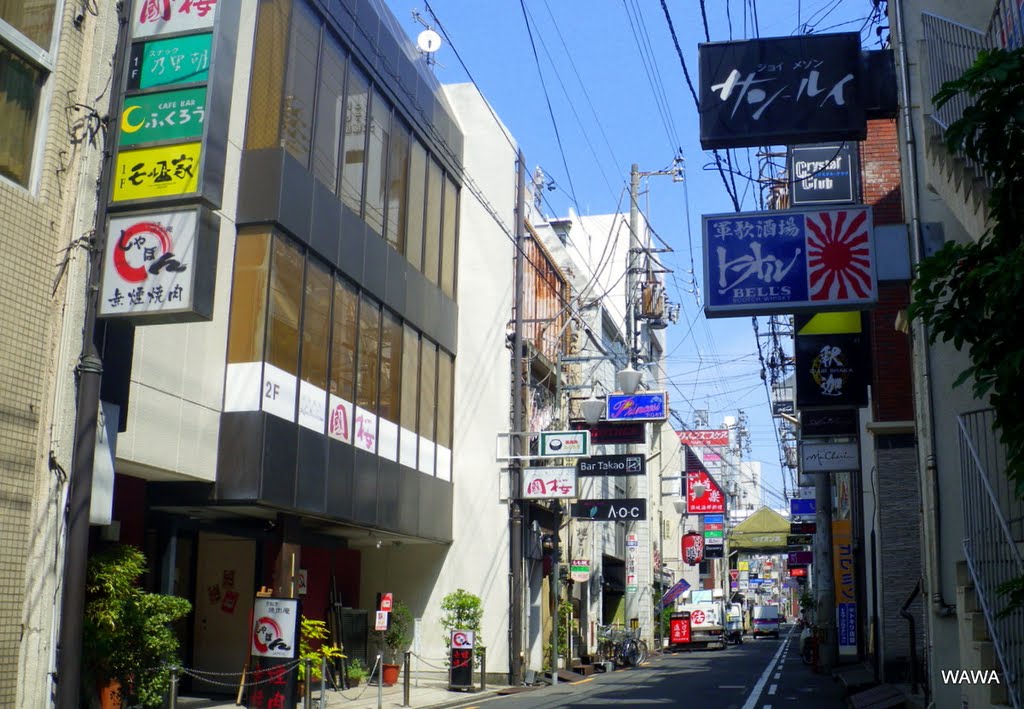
{"points": [[827, 457], [828, 422], [164, 116], [704, 437], [603, 465], [564, 444], [158, 17], [169, 62], [579, 570], [610, 434], [843, 568], [549, 483], [824, 174], [165, 171], [789, 261], [693, 548], [833, 362], [802, 506], [626, 509], [703, 495]]}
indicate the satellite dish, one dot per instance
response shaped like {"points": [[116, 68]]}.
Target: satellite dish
{"points": [[429, 41]]}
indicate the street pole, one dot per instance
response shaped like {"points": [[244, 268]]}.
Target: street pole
{"points": [[518, 427], [826, 608], [632, 597], [556, 617]]}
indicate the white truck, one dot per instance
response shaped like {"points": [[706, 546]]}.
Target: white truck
{"points": [[766, 621], [707, 623]]}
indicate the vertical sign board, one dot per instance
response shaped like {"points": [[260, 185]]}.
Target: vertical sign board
{"points": [[846, 598], [274, 647], [780, 91], [460, 671], [789, 261], [832, 360]]}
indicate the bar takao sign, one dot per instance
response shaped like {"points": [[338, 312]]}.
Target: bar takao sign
{"points": [[792, 260]]}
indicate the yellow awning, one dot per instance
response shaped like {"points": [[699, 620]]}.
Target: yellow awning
{"points": [[765, 529]]}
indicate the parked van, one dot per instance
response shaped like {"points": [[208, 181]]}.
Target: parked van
{"points": [[766, 621]]}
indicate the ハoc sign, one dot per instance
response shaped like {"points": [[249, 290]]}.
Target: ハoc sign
{"points": [[693, 548]]}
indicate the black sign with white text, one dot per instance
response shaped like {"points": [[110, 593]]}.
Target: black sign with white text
{"points": [[824, 174], [629, 464], [828, 422], [625, 510], [608, 434]]}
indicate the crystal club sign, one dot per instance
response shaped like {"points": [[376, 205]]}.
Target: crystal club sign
{"points": [[789, 260]]}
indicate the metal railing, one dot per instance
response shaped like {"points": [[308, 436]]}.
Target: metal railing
{"points": [[952, 49], [1006, 28], [993, 536]]}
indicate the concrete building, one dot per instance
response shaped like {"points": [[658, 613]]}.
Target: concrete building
{"points": [[963, 489], [55, 73]]}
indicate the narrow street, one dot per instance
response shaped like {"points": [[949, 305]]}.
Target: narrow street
{"points": [[759, 674]]}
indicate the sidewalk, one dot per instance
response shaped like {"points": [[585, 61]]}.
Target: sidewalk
{"points": [[432, 694]]}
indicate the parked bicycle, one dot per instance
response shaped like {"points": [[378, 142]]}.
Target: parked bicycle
{"points": [[623, 647]]}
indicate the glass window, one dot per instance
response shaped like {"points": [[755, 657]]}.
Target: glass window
{"points": [[390, 367], [268, 66], [249, 298], [316, 323], [343, 340], [451, 211], [376, 162], [33, 18], [330, 110], [367, 382], [428, 389], [21, 86], [432, 231], [285, 301], [410, 377], [398, 166], [417, 196], [356, 98], [445, 391], [300, 82]]}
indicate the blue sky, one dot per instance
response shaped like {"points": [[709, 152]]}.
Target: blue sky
{"points": [[609, 73]]}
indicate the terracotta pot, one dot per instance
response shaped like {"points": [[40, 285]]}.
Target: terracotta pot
{"points": [[110, 694], [390, 674], [352, 683]]}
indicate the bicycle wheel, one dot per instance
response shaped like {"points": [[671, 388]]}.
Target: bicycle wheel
{"points": [[630, 653], [642, 652]]}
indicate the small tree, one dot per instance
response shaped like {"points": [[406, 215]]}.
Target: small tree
{"points": [[462, 611], [398, 636], [315, 631]]}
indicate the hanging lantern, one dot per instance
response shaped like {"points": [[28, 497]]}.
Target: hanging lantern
{"points": [[693, 548]]}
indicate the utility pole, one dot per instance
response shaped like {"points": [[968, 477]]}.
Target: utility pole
{"points": [[632, 597], [826, 600], [518, 427]]}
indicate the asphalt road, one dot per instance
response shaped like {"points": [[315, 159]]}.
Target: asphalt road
{"points": [[760, 674]]}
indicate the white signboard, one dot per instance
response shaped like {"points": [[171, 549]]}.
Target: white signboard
{"points": [[339, 419], [151, 18], [549, 483], [381, 621], [825, 457], [564, 444], [149, 264], [462, 639], [275, 621]]}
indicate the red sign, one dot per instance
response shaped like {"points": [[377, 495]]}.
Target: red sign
{"points": [[679, 630], [712, 526], [734, 574], [703, 496], [797, 570], [693, 548], [705, 437], [385, 602]]}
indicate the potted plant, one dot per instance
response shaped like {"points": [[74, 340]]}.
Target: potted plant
{"points": [[127, 639], [397, 638], [463, 611], [313, 646], [356, 673]]}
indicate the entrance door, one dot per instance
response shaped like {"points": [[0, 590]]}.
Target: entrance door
{"points": [[225, 578]]}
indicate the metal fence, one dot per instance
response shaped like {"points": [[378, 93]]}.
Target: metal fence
{"points": [[993, 536]]}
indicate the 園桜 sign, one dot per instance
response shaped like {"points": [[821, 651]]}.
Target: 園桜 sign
{"points": [[165, 171], [159, 266], [785, 261], [169, 62], [649, 406], [165, 116], [549, 483], [704, 437], [781, 91], [151, 18]]}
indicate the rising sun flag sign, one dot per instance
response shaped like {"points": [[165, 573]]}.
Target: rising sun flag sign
{"points": [[789, 260]]}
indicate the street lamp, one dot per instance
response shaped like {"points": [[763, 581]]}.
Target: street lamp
{"points": [[627, 380], [592, 408]]}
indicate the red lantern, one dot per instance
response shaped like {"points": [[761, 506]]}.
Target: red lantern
{"points": [[693, 548]]}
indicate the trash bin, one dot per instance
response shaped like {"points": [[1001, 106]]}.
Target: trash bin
{"points": [[679, 628]]}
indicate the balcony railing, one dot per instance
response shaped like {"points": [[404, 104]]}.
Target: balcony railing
{"points": [[993, 537]]}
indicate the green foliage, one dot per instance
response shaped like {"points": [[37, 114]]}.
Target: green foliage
{"points": [[127, 634], [398, 636], [973, 294], [463, 611], [315, 632], [356, 672]]}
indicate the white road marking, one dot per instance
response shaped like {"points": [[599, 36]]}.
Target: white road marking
{"points": [[732, 686], [773, 689], [778, 675], [755, 693]]}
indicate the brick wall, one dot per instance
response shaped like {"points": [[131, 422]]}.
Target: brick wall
{"points": [[892, 384]]}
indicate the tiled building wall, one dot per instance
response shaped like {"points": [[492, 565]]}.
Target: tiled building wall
{"points": [[36, 227]]}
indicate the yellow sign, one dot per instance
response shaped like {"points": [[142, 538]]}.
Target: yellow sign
{"points": [[743, 566], [167, 171], [843, 561]]}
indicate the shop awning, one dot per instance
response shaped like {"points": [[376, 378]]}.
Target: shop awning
{"points": [[765, 530]]}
